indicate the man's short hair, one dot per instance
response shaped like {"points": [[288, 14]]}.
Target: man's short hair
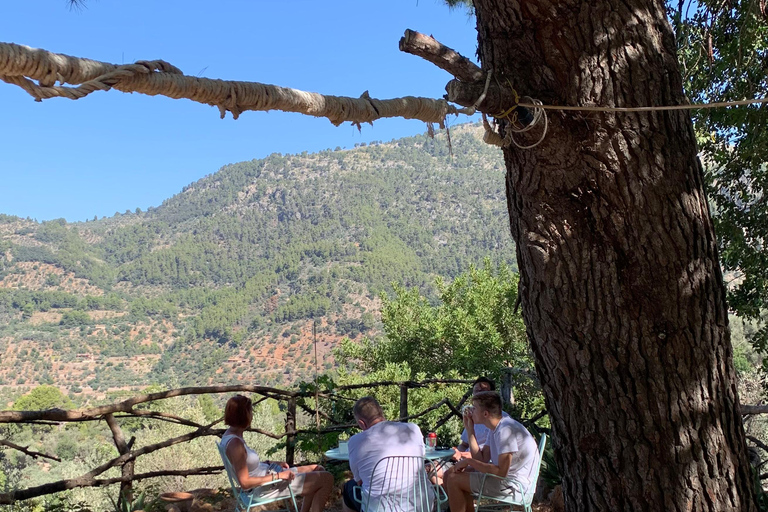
{"points": [[489, 401], [487, 383], [237, 410], [367, 409]]}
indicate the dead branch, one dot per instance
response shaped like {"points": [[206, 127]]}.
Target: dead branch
{"points": [[454, 410], [126, 406], [409, 384], [126, 487], [87, 479], [759, 443], [314, 412], [497, 99], [754, 409], [34, 492], [440, 55], [22, 65], [25, 449], [532, 421], [164, 416]]}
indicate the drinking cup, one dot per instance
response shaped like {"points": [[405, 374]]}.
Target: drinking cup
{"points": [[343, 448]]}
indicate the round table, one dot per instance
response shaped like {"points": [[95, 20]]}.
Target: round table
{"points": [[433, 455]]}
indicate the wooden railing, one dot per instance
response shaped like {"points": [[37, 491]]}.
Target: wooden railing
{"points": [[127, 455]]}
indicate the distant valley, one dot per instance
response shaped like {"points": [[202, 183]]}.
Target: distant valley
{"points": [[223, 282]]}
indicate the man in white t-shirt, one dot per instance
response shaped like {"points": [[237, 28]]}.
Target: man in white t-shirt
{"points": [[511, 453], [481, 433], [379, 439]]}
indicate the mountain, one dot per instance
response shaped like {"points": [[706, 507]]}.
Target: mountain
{"points": [[223, 281]]}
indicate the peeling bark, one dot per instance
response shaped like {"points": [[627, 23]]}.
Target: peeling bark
{"points": [[621, 288]]}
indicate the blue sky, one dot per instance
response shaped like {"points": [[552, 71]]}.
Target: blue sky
{"points": [[112, 151]]}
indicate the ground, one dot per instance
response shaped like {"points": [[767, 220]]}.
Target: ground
{"points": [[213, 500]]}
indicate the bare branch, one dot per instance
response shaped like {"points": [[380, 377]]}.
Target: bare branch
{"points": [[126, 487], [54, 487], [759, 443], [497, 99], [161, 416], [25, 449], [314, 412], [87, 479], [440, 55], [126, 406], [753, 409], [21, 65]]}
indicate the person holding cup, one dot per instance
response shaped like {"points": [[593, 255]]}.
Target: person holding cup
{"points": [[462, 451], [511, 453]]}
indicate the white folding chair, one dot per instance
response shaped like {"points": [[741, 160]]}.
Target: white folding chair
{"points": [[398, 484], [247, 499], [525, 498]]}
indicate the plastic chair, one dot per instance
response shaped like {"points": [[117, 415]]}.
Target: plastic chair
{"points": [[398, 484], [527, 498], [247, 499]]}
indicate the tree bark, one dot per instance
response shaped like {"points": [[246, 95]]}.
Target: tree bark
{"points": [[619, 277]]}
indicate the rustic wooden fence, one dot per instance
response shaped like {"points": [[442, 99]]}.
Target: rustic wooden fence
{"points": [[127, 455]]}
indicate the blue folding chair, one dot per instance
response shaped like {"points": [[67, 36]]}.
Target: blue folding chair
{"points": [[247, 499], [525, 498], [398, 484]]}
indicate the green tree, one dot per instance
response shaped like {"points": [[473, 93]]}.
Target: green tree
{"points": [[209, 409], [724, 51], [41, 398], [473, 330]]}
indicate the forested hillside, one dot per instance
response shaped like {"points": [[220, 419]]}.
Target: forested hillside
{"points": [[222, 282]]}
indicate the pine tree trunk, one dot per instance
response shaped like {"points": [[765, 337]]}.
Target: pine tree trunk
{"points": [[620, 282]]}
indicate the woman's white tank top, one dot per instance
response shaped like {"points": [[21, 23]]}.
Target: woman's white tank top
{"points": [[252, 460]]}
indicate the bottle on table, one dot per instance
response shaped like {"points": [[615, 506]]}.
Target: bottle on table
{"points": [[431, 442]]}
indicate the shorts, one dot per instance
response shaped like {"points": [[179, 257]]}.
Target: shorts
{"points": [[347, 494], [494, 487], [441, 465], [281, 489]]}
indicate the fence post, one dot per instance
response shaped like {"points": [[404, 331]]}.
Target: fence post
{"points": [[403, 401], [126, 488], [290, 428], [507, 385]]}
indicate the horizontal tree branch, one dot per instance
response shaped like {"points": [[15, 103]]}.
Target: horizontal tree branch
{"points": [[754, 409], [759, 443], [25, 449], [87, 479], [172, 418], [408, 383], [497, 99], [22, 65], [428, 48], [54, 487], [309, 410], [127, 406]]}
